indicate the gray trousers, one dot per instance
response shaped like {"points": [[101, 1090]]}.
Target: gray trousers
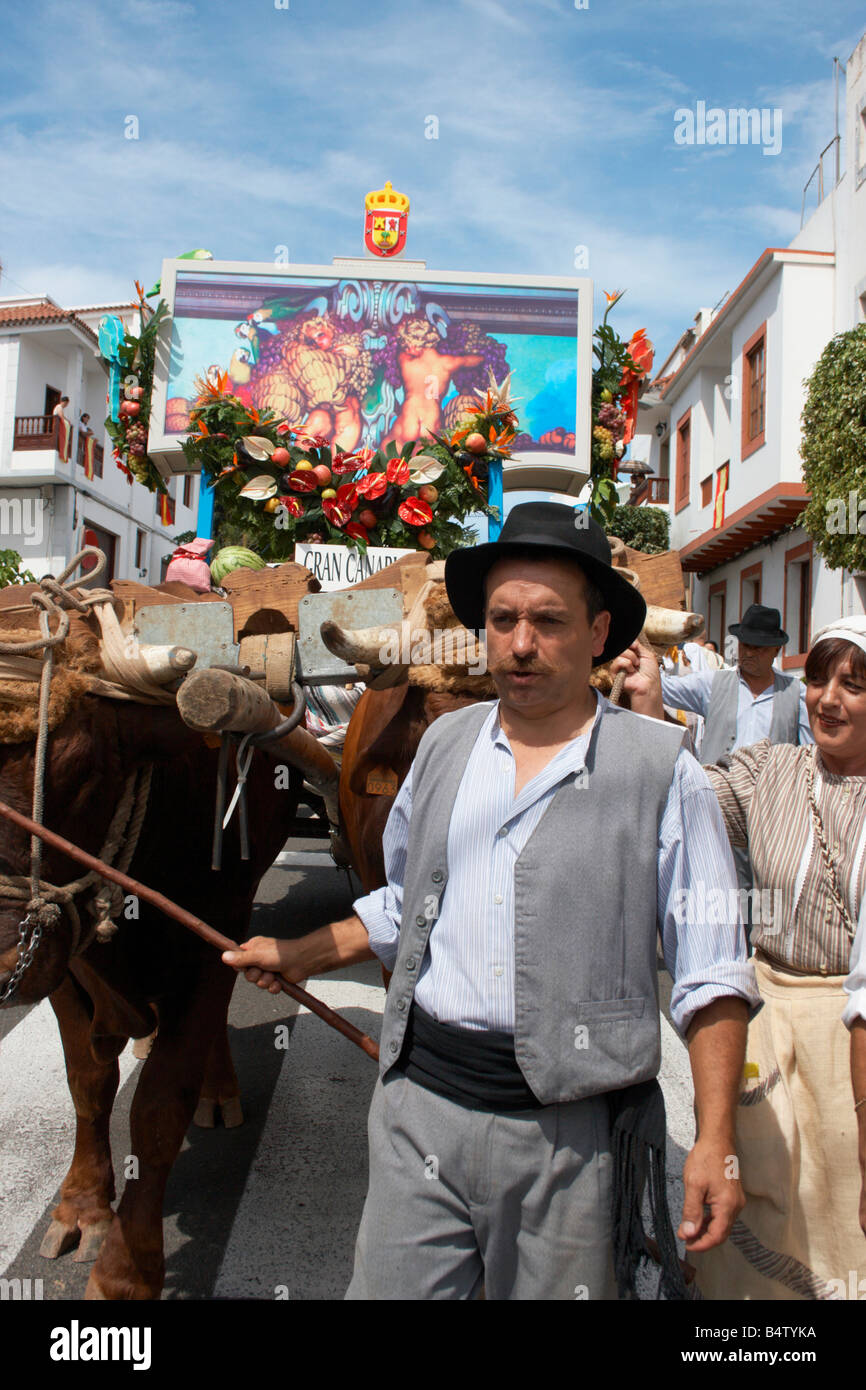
{"points": [[459, 1198]]}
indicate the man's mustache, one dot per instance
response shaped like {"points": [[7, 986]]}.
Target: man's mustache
{"points": [[521, 668]]}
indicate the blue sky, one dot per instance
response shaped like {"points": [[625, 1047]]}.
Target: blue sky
{"points": [[261, 127]]}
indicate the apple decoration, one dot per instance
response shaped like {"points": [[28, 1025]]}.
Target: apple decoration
{"points": [[323, 473], [428, 493], [280, 457], [328, 492], [426, 540], [476, 443], [368, 518]]}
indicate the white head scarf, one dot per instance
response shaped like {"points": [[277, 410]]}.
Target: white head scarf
{"points": [[848, 629]]}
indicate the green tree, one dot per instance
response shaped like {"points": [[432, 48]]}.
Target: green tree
{"points": [[11, 571], [643, 528], [833, 449]]}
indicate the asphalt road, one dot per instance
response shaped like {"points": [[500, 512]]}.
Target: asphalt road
{"points": [[270, 1209]]}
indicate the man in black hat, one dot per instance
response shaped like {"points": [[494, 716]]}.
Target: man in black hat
{"points": [[747, 703], [536, 848]]}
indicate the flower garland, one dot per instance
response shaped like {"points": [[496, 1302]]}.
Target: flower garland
{"points": [[276, 486], [616, 380], [137, 356]]}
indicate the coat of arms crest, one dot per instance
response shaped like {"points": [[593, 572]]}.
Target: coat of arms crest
{"points": [[387, 214]]}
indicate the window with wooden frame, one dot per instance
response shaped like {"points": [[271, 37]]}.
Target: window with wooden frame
{"points": [[716, 626], [187, 489], [140, 539], [798, 604], [707, 491], [750, 586], [754, 392], [684, 445]]}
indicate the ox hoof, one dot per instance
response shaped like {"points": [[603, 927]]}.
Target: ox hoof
{"points": [[58, 1239], [91, 1242], [205, 1113], [141, 1047], [232, 1112]]}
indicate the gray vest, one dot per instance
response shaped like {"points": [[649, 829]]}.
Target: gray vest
{"points": [[720, 733], [585, 899]]}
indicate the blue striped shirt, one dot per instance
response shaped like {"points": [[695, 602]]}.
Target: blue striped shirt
{"points": [[467, 976]]}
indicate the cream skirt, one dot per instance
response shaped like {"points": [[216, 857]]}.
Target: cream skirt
{"points": [[799, 1236]]}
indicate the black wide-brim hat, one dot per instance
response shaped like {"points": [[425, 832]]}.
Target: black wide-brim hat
{"points": [[555, 531], [760, 627]]}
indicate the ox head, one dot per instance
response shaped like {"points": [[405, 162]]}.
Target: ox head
{"points": [[430, 648]]}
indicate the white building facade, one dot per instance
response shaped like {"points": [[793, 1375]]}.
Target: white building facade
{"points": [[49, 508], [721, 422]]}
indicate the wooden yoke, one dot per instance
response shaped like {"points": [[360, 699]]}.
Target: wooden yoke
{"points": [[215, 701]]}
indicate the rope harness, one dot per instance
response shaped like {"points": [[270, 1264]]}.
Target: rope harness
{"points": [[130, 680]]}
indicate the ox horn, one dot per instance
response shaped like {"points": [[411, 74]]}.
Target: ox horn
{"points": [[165, 663], [664, 627], [364, 645]]}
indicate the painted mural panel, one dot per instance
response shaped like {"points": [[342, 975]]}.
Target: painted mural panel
{"points": [[365, 361]]}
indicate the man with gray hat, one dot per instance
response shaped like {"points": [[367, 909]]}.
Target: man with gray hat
{"points": [[537, 847]]}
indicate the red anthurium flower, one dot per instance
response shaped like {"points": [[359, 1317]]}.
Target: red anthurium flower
{"points": [[302, 480], [293, 505], [415, 512], [336, 514], [357, 531], [372, 486], [347, 495], [344, 463], [316, 441], [397, 471], [283, 428]]}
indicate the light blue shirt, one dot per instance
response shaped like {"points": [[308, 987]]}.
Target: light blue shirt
{"points": [[467, 977], [754, 712]]}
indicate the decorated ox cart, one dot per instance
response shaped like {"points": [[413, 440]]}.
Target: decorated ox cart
{"points": [[156, 743]]}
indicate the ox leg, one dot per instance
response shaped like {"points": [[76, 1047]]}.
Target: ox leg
{"points": [[131, 1263], [220, 1086], [84, 1213]]}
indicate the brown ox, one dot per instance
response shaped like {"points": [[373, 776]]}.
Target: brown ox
{"points": [[150, 967]]}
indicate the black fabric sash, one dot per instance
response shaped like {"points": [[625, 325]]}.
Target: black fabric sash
{"points": [[474, 1068]]}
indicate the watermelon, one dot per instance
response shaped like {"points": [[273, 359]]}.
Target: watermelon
{"points": [[234, 557]]}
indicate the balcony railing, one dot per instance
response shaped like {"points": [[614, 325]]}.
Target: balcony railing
{"points": [[36, 432], [652, 491]]}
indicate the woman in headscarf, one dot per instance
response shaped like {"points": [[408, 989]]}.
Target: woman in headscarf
{"points": [[801, 812]]}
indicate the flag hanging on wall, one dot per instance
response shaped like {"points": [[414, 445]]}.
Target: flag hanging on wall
{"points": [[166, 509], [64, 443], [721, 489], [89, 447]]}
